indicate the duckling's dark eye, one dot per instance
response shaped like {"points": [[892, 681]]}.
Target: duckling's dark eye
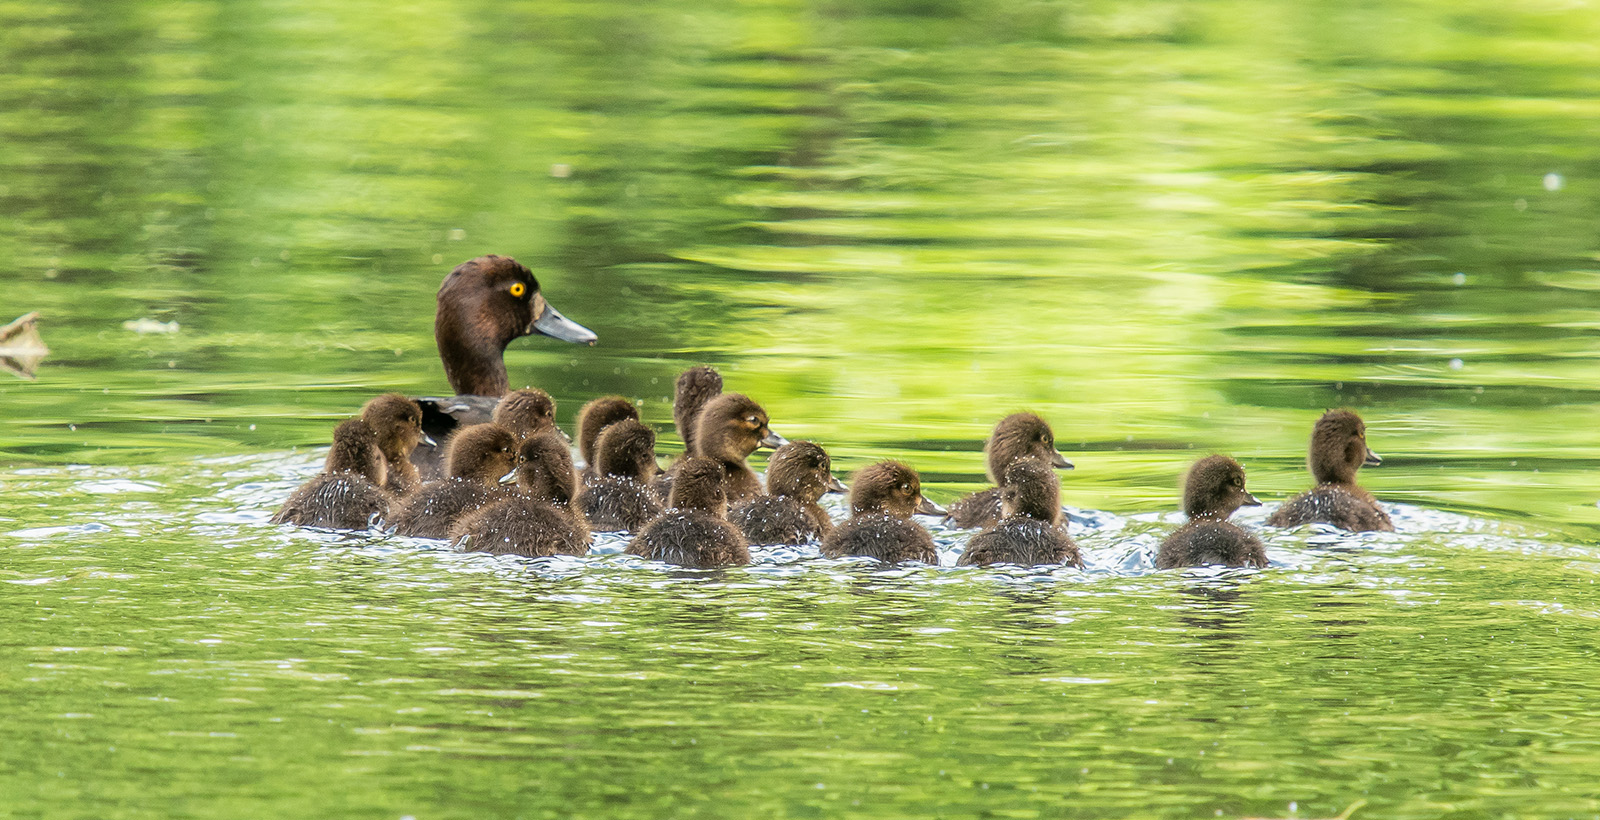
{"points": [[753, 420], [518, 289]]}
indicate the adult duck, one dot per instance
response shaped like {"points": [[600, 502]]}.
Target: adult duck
{"points": [[483, 305]]}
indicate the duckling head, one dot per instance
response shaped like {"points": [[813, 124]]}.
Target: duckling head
{"points": [[696, 386], [482, 452], [1339, 447], [397, 423], [628, 449], [731, 427], [596, 416], [544, 467], [526, 412], [1215, 489], [698, 486], [801, 470], [1032, 489], [889, 487], [1021, 435], [355, 450]]}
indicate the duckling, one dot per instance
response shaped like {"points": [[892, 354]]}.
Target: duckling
{"points": [[692, 533], [1030, 532], [348, 495], [479, 455], [526, 412], [1019, 435], [397, 423], [883, 497], [798, 474], [1338, 450], [696, 386], [483, 305], [728, 430], [593, 419], [619, 498], [1213, 490], [538, 520]]}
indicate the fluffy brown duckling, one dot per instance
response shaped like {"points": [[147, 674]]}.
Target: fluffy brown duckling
{"points": [[526, 412], [1030, 531], [695, 388], [1213, 491], [1338, 450], [728, 430], [537, 520], [692, 533], [1017, 436], [397, 423], [619, 498], [483, 305], [798, 474], [593, 419], [479, 456], [348, 494], [883, 497]]}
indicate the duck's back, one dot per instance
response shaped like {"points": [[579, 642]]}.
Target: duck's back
{"points": [[522, 526], [1023, 541], [691, 538], [1343, 506], [335, 501], [981, 509], [617, 503], [1205, 541], [881, 536], [435, 507], [740, 482], [778, 519]]}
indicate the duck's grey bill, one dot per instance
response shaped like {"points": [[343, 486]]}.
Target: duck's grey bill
{"points": [[1372, 459], [1251, 501], [1059, 461], [773, 440], [556, 326], [929, 508]]}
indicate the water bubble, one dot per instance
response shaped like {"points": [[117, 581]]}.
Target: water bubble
{"points": [[1459, 279], [560, 170], [1521, 204], [1457, 364], [1553, 181], [457, 234], [438, 259]]}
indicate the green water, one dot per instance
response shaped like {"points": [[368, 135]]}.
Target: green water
{"points": [[1170, 228]]}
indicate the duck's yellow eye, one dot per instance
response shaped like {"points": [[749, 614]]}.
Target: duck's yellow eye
{"points": [[518, 289]]}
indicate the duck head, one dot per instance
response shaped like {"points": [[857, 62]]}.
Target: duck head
{"points": [[698, 486], [397, 423], [1021, 435], [482, 452], [696, 386], [1032, 489], [355, 450], [544, 467], [731, 427], [526, 412], [483, 305], [1215, 489], [889, 487], [595, 417], [801, 470], [1339, 448], [628, 449]]}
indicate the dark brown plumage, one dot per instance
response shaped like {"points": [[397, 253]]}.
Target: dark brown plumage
{"points": [[479, 455], [883, 497], [620, 499], [482, 306], [397, 423], [348, 494], [538, 519], [526, 412], [1030, 530], [728, 430], [1017, 436], [692, 532], [1338, 449], [696, 386], [1213, 491], [593, 419], [798, 474]]}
